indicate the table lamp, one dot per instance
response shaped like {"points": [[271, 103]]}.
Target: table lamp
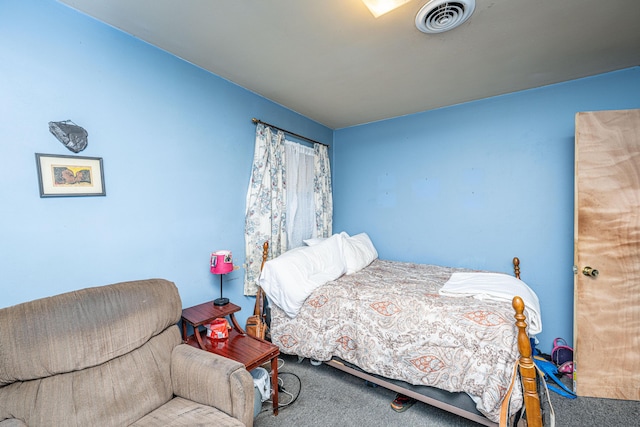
{"points": [[221, 263]]}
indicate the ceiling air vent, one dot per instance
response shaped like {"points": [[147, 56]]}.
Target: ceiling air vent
{"points": [[438, 16]]}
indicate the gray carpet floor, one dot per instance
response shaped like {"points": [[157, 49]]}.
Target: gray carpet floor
{"points": [[329, 397]]}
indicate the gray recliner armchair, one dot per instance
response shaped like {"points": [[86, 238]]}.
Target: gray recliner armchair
{"points": [[113, 356]]}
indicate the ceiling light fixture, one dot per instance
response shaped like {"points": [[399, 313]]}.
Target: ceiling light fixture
{"points": [[438, 16], [380, 7]]}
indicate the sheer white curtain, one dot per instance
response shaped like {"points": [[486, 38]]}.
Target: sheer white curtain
{"points": [[300, 176]]}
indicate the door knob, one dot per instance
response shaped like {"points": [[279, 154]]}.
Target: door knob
{"points": [[591, 272]]}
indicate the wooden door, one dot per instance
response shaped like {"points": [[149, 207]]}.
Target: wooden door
{"points": [[607, 239]]}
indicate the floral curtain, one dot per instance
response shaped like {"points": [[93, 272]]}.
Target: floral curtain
{"points": [[322, 191], [265, 217]]}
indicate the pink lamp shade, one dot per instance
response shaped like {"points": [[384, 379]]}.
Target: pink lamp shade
{"points": [[221, 262]]}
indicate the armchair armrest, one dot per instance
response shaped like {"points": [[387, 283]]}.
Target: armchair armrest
{"points": [[213, 380]]}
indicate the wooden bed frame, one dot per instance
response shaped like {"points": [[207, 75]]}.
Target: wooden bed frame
{"points": [[528, 374]]}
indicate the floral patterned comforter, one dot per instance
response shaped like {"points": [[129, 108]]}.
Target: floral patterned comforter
{"points": [[389, 319]]}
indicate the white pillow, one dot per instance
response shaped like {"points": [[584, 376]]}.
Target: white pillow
{"points": [[314, 241], [290, 278], [359, 252]]}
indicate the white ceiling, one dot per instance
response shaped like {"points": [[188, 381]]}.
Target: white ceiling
{"points": [[333, 62]]}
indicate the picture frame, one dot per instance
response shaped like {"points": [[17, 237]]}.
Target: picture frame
{"points": [[69, 176]]}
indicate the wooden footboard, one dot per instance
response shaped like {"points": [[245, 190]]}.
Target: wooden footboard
{"points": [[527, 368]]}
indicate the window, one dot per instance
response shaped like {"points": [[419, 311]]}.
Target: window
{"points": [[300, 219], [289, 198]]}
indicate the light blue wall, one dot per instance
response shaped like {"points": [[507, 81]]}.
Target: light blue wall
{"points": [[177, 144], [476, 184], [470, 185]]}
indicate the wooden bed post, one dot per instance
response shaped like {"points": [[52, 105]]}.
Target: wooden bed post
{"points": [[527, 367], [265, 253], [516, 267]]}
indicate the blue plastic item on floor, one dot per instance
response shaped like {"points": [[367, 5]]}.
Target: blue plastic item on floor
{"points": [[550, 372]]}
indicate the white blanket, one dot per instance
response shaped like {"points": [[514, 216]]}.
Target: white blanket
{"points": [[499, 287]]}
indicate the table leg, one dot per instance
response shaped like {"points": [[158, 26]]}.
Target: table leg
{"points": [[198, 335], [235, 324], [274, 384]]}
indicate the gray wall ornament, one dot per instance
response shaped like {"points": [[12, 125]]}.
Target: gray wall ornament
{"points": [[72, 136]]}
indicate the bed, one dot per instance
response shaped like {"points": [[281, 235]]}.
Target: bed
{"points": [[442, 335]]}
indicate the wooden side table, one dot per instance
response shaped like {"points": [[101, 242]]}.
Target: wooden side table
{"points": [[250, 351], [204, 313]]}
